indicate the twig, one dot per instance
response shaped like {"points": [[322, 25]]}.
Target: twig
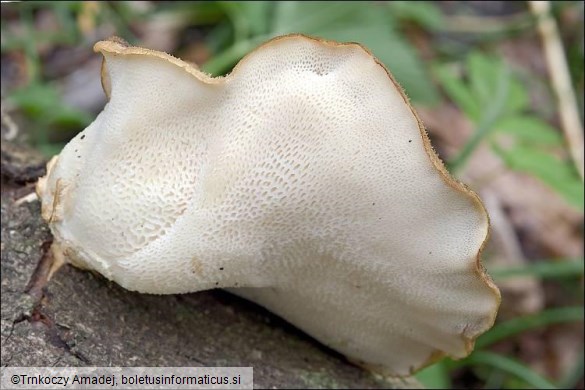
{"points": [[11, 127], [26, 199], [561, 81]]}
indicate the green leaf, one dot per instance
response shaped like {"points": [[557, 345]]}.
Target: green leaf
{"points": [[35, 100], [42, 102], [315, 16], [219, 36], [238, 19], [458, 92], [517, 99], [228, 57], [424, 13], [50, 149], [521, 324], [492, 113], [65, 116], [435, 376], [258, 15], [529, 130], [482, 72], [248, 18], [559, 175]]}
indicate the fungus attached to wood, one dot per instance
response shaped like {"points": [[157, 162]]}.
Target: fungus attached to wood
{"points": [[304, 177]]}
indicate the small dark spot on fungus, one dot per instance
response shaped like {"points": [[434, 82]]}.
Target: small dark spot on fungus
{"points": [[216, 283], [82, 137], [409, 140], [374, 203], [430, 253], [221, 268]]}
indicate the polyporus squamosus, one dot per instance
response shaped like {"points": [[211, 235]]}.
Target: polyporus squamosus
{"points": [[304, 180]]}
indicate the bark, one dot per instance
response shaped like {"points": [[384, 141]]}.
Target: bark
{"points": [[81, 319]]}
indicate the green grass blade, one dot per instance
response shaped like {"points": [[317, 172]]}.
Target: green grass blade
{"points": [[510, 366], [568, 268], [521, 324]]}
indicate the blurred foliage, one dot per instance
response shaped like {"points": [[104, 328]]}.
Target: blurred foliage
{"points": [[458, 66], [232, 29], [375, 25], [497, 103], [43, 106], [39, 98]]}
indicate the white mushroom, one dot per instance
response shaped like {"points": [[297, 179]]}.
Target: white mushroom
{"points": [[304, 178]]}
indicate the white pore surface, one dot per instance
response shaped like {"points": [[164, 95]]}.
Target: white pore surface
{"points": [[301, 179]]}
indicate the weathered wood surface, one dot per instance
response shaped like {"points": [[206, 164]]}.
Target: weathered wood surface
{"points": [[81, 319]]}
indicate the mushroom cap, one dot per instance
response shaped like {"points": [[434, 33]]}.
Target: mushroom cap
{"points": [[304, 181]]}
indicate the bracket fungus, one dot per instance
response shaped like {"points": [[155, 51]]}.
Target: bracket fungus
{"points": [[303, 181]]}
